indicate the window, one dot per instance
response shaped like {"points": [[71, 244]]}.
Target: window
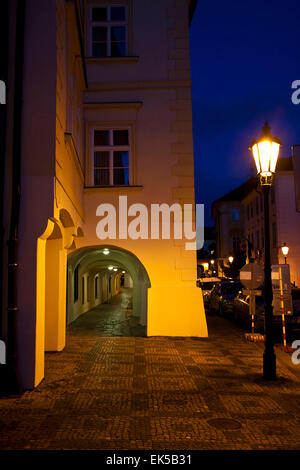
{"points": [[88, 281], [235, 214], [256, 206], [96, 287], [109, 31], [248, 212], [257, 240], [76, 283], [251, 206], [111, 154], [83, 290], [262, 238]]}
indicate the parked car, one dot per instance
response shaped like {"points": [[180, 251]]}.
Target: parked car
{"points": [[207, 284], [223, 295]]}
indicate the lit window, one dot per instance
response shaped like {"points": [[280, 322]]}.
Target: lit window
{"points": [[111, 155], [109, 31]]}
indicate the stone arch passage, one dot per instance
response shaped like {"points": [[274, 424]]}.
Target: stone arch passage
{"points": [[88, 270]]}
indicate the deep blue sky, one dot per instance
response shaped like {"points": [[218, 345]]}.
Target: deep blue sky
{"points": [[244, 56]]}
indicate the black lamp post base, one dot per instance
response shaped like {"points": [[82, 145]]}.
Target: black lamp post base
{"points": [[269, 366]]}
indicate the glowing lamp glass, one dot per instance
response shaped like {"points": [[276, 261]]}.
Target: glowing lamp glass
{"points": [[285, 250]]}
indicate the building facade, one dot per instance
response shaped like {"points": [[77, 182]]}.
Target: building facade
{"points": [[106, 114], [284, 218], [229, 215]]}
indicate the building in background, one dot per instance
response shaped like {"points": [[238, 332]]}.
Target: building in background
{"points": [[284, 219], [99, 107], [229, 215]]}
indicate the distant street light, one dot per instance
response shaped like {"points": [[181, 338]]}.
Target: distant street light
{"points": [[230, 259], [212, 261], [265, 153], [285, 251]]}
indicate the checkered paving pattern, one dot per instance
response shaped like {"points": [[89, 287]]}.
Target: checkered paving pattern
{"points": [[125, 393]]}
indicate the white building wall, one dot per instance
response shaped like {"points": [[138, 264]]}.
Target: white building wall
{"points": [[288, 222]]}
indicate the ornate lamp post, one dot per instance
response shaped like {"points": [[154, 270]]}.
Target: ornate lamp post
{"points": [[285, 251], [265, 152]]}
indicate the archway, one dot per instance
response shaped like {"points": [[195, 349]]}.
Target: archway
{"points": [[100, 275], [51, 287]]}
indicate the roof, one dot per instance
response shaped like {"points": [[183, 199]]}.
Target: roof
{"points": [[192, 8], [240, 192]]}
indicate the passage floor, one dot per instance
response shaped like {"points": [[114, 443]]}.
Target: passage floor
{"points": [[157, 393]]}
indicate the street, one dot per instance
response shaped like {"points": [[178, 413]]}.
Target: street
{"points": [[119, 393]]}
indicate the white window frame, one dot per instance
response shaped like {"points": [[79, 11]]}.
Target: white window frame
{"points": [[111, 149], [108, 24]]}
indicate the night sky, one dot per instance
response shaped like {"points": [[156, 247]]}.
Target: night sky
{"points": [[244, 57]]}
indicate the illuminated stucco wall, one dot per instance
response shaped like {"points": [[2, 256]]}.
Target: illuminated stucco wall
{"points": [[150, 94]]}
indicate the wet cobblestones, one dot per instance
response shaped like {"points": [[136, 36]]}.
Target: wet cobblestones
{"points": [[157, 393]]}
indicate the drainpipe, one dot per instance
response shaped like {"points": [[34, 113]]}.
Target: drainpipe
{"points": [[13, 380], [3, 120]]}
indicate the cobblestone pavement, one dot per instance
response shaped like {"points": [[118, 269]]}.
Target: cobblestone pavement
{"points": [[112, 319], [125, 393]]}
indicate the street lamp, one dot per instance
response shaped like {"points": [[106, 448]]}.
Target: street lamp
{"points": [[265, 152], [230, 259], [285, 251]]}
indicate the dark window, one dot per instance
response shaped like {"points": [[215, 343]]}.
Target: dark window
{"points": [[99, 14], [235, 214], [76, 283], [117, 14], [101, 137], [109, 31], [83, 290], [120, 137], [257, 240], [248, 212], [96, 287], [251, 206], [262, 238]]}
